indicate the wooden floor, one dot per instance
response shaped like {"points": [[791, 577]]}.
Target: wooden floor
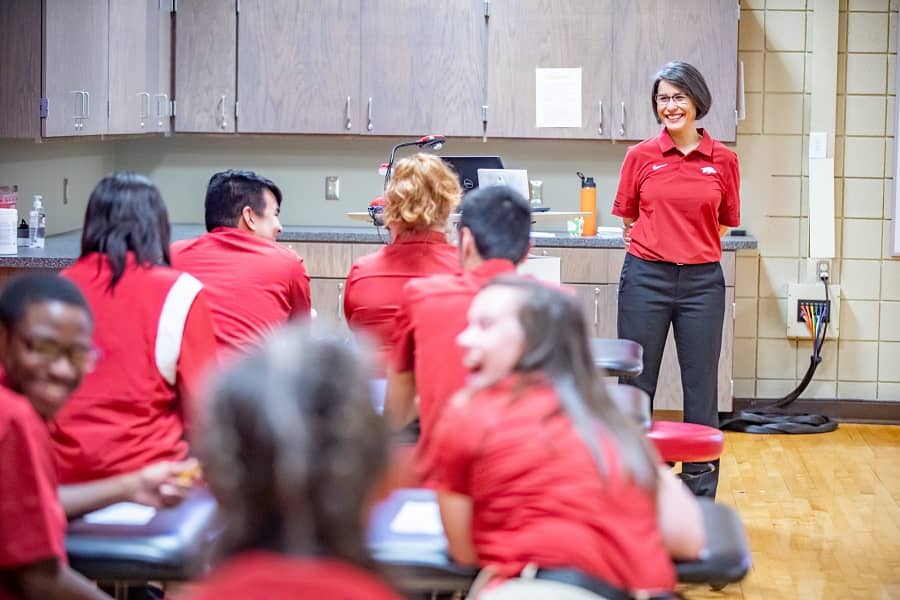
{"points": [[822, 513]]}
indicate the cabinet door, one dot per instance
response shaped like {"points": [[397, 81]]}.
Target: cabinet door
{"points": [[298, 66], [328, 300], [20, 68], [528, 34], [75, 70], [599, 308], [133, 65], [205, 66], [649, 33], [422, 67]]}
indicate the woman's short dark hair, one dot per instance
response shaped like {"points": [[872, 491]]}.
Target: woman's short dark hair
{"points": [[293, 448], [126, 213], [689, 81]]}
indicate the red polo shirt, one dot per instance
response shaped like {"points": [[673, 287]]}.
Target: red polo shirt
{"points": [[32, 522], [252, 284], [678, 201], [536, 492], [260, 575], [433, 312], [375, 284], [154, 334]]}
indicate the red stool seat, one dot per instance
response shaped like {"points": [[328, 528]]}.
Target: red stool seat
{"points": [[686, 442]]}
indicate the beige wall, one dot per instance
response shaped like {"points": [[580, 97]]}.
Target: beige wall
{"points": [[774, 46]]}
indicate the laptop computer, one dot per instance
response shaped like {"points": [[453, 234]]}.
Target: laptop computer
{"points": [[517, 179], [466, 167]]}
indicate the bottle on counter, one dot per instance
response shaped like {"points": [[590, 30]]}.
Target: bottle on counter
{"points": [[37, 223], [22, 234], [588, 205]]}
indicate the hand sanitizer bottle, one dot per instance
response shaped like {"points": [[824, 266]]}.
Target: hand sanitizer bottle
{"points": [[37, 223]]}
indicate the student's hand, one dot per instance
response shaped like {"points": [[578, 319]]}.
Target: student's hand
{"points": [[626, 233], [165, 483]]}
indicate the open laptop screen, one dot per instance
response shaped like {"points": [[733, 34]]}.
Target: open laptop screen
{"points": [[466, 167]]}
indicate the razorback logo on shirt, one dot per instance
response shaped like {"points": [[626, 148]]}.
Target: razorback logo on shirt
{"points": [[708, 170]]}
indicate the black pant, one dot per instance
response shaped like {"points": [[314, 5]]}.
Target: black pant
{"points": [[692, 298]]}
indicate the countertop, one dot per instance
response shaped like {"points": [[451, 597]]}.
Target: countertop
{"points": [[62, 250]]}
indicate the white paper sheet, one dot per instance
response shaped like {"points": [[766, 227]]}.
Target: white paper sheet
{"points": [[545, 268], [821, 207], [557, 97], [418, 517], [122, 513]]}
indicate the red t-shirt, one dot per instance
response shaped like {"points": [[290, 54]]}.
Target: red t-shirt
{"points": [[679, 201], [536, 492], [259, 575], [375, 284], [252, 284], [433, 312], [32, 521], [155, 339]]}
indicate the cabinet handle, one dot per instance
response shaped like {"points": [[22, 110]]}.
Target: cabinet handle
{"points": [[349, 125], [596, 310], [145, 106], [78, 112], [161, 112], [87, 105], [600, 117], [622, 121], [369, 126], [223, 120], [340, 302]]}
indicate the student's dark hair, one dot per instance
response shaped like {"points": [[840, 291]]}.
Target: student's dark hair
{"points": [[33, 288], [499, 218], [293, 448], [126, 213], [689, 81], [557, 345], [230, 191]]}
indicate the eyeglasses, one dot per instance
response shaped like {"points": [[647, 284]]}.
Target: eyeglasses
{"points": [[83, 359], [679, 100]]}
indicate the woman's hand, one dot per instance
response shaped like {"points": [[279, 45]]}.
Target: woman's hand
{"points": [[627, 225], [164, 483]]}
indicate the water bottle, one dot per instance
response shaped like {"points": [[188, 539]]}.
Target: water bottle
{"points": [[588, 205], [37, 223]]}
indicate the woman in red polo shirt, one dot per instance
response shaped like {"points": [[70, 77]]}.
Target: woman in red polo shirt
{"points": [[422, 193], [538, 474], [154, 335], [294, 454], [678, 194]]}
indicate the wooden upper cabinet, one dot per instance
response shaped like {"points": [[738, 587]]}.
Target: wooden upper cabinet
{"points": [[75, 67], [422, 67], [205, 66], [20, 69], [651, 33], [298, 66], [525, 35], [134, 66]]}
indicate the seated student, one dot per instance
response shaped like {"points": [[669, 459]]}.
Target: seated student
{"points": [[154, 335], [45, 349], [252, 284], [293, 451], [549, 473], [422, 193], [493, 238]]}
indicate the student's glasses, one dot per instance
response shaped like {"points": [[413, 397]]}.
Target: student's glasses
{"points": [[680, 100], [49, 351]]}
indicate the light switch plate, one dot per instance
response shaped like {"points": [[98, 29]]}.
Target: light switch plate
{"points": [[332, 187]]}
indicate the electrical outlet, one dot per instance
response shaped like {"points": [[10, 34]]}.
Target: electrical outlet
{"points": [[823, 269], [332, 187], [813, 296]]}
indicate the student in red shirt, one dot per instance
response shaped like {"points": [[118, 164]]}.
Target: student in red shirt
{"points": [[154, 336], [537, 471], [45, 349], [494, 232], [251, 283], [422, 193], [293, 452], [678, 194]]}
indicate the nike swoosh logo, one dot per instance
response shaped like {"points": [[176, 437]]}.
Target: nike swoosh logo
{"points": [[657, 167]]}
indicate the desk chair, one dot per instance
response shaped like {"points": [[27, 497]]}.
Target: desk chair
{"points": [[175, 545]]}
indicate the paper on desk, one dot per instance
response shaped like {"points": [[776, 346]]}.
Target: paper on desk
{"points": [[557, 97], [418, 517], [122, 513]]}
